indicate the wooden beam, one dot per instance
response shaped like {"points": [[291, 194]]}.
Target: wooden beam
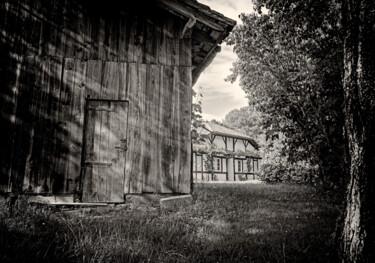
{"points": [[189, 24], [225, 141]]}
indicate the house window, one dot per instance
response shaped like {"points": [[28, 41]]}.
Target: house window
{"points": [[217, 164], [239, 166], [256, 165]]}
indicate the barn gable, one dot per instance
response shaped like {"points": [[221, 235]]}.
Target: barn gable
{"points": [[96, 100]]}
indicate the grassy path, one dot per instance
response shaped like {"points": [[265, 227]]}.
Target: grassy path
{"points": [[226, 223]]}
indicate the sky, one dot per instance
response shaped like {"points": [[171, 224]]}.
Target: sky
{"points": [[219, 96]]}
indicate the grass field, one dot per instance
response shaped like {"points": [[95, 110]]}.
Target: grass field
{"points": [[226, 223]]}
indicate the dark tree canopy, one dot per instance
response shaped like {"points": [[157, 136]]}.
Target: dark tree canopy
{"points": [[290, 66]]}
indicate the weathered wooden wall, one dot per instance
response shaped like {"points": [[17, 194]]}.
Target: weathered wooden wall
{"points": [[55, 53]]}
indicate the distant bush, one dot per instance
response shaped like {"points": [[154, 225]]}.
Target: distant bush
{"points": [[301, 173]]}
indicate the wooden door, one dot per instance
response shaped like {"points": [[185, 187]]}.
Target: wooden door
{"points": [[105, 143]]}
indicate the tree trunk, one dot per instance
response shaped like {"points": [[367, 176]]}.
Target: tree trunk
{"points": [[358, 231]]}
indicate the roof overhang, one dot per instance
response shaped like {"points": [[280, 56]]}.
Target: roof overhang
{"points": [[208, 29], [208, 128]]}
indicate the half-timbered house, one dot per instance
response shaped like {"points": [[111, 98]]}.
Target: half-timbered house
{"points": [[96, 95], [225, 155]]}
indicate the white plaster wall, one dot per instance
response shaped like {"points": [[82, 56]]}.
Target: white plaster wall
{"points": [[219, 142], [240, 146]]}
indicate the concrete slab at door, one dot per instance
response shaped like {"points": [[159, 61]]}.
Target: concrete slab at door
{"points": [[105, 144]]}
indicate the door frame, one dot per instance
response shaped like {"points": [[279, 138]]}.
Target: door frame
{"points": [[79, 188]]}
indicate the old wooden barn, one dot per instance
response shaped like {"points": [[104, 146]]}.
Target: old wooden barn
{"points": [[96, 98]]}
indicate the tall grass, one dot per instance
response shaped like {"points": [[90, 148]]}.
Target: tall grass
{"points": [[225, 223]]}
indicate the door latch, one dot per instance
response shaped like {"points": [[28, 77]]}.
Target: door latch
{"points": [[123, 145]]}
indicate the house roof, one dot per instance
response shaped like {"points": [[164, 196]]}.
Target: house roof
{"points": [[208, 30], [220, 130]]}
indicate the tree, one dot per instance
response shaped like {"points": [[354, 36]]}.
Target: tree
{"points": [[246, 119], [290, 64], [358, 232], [196, 117], [275, 165]]}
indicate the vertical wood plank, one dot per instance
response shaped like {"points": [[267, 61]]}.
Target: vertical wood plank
{"points": [[52, 129], [123, 134], [146, 134], [159, 172], [59, 28], [162, 45], [76, 122], [123, 37], [103, 43], [185, 51], [39, 126], [93, 33], [155, 136], [148, 43], [11, 22], [97, 134], [131, 35], [94, 78], [166, 175], [141, 101], [117, 156], [113, 177], [151, 157], [33, 30], [176, 137], [88, 184], [185, 119], [50, 28], [65, 115], [23, 20], [113, 37], [123, 92], [157, 32], [136, 79], [106, 151], [20, 80], [111, 81], [131, 78], [79, 31], [70, 28], [12, 75], [43, 127], [139, 38]]}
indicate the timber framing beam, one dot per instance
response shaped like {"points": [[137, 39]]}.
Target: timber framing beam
{"points": [[212, 138], [225, 142], [245, 143]]}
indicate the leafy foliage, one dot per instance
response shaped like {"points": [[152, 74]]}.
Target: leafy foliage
{"points": [[275, 165], [196, 117], [289, 64], [246, 119]]}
